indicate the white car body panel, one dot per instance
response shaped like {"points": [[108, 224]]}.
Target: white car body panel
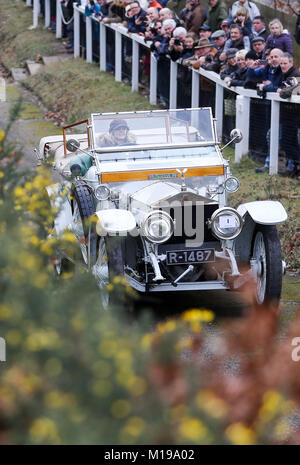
{"points": [[264, 211]]}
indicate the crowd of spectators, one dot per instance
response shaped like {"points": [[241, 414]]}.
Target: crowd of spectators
{"points": [[237, 43]]}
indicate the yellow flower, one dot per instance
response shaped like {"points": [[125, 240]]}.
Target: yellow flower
{"points": [[5, 312], [120, 408], [146, 341], [13, 337], [213, 405], [134, 426], [272, 402], [196, 314], [192, 429], [108, 347], [44, 429], [137, 385], [1, 174], [167, 327], [2, 135], [240, 435]]}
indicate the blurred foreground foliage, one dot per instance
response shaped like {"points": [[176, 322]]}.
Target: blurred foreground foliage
{"points": [[76, 374]]}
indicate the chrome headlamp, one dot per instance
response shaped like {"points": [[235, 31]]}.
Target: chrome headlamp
{"points": [[232, 184], [226, 223], [102, 192], [157, 227]]}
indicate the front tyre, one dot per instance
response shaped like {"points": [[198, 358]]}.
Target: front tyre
{"points": [[109, 264], [267, 253], [83, 209]]}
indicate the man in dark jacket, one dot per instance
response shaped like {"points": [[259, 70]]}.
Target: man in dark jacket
{"points": [[137, 23], [237, 39], [270, 77], [219, 39], [231, 66], [258, 46], [195, 17], [217, 12], [259, 27]]}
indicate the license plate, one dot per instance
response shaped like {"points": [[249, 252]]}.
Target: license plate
{"points": [[182, 257]]}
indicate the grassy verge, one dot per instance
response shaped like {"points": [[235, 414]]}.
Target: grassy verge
{"points": [[17, 42], [277, 187], [85, 90]]}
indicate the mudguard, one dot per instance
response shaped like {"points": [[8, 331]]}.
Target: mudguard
{"points": [[264, 211]]}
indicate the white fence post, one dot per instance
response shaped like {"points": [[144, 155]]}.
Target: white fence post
{"points": [[219, 110], [195, 89], [47, 13], [89, 47], [76, 32], [274, 137], [173, 85], [118, 57], [135, 66], [242, 123], [36, 8], [102, 47], [58, 20], [153, 79]]}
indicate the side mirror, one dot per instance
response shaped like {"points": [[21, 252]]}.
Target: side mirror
{"points": [[72, 145], [236, 135]]}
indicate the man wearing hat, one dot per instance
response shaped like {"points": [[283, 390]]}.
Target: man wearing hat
{"points": [[231, 65], [258, 46], [204, 51], [205, 32], [216, 14], [118, 135], [219, 38]]}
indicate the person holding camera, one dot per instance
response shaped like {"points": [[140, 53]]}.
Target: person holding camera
{"points": [[176, 44], [219, 39], [270, 76]]}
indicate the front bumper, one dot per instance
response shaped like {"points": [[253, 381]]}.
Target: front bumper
{"points": [[184, 286]]}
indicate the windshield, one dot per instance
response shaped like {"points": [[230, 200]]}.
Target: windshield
{"points": [[162, 154], [165, 127]]}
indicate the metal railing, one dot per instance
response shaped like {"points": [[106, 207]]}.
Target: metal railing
{"points": [[244, 98]]}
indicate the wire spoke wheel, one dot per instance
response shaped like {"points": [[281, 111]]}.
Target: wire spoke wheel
{"points": [[267, 253], [101, 272]]}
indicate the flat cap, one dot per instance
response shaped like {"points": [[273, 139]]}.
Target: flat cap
{"points": [[230, 52], [217, 34]]}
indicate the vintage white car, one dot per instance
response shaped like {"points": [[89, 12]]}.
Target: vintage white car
{"points": [[156, 185]]}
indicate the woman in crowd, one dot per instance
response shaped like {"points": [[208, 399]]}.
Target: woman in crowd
{"points": [[279, 38], [238, 77]]}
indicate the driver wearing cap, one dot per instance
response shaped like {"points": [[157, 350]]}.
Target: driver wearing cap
{"points": [[118, 135]]}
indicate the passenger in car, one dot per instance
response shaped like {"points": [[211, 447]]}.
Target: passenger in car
{"points": [[118, 135]]}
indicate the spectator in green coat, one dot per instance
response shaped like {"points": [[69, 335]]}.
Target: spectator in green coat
{"points": [[217, 12], [176, 5]]}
